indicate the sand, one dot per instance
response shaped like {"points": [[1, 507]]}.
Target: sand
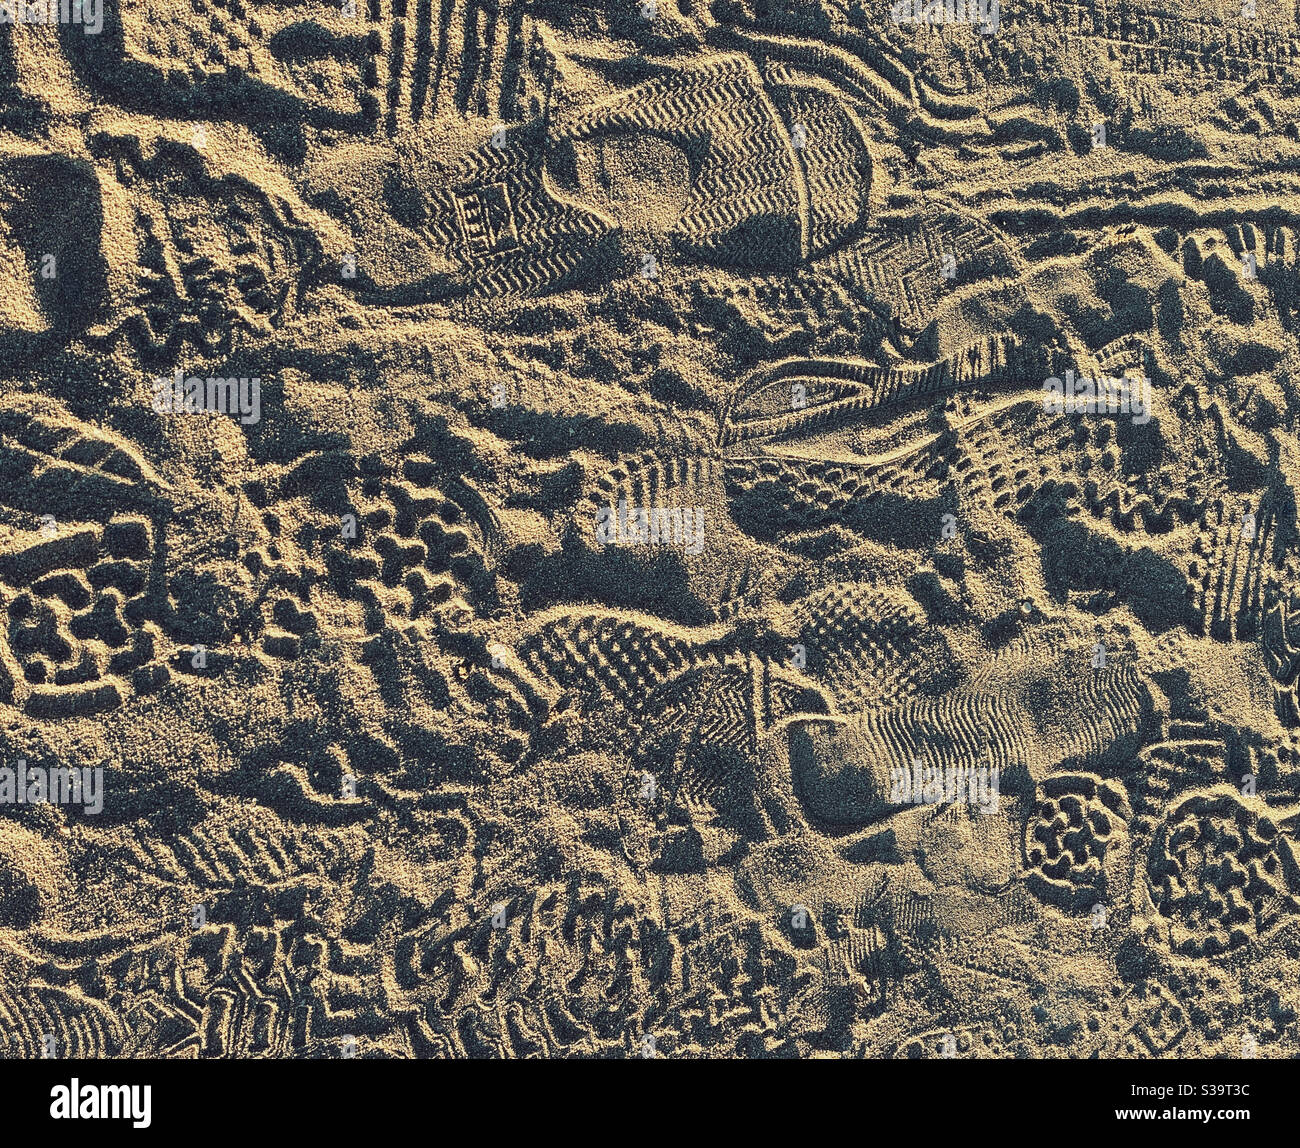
{"points": [[694, 531]]}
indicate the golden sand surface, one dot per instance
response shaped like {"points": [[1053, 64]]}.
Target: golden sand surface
{"points": [[684, 529]]}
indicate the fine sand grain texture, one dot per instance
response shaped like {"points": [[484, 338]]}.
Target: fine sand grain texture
{"points": [[697, 529]]}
